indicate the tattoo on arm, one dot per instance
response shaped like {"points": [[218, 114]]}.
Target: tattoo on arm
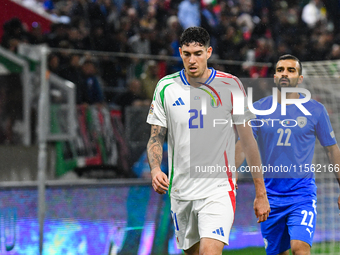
{"points": [[155, 146]]}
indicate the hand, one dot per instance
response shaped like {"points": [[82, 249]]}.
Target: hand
{"points": [[261, 208], [160, 182]]}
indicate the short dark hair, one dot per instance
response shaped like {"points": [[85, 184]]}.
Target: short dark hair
{"points": [[195, 35], [289, 56]]}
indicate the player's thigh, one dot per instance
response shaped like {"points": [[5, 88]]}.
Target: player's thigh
{"points": [[211, 246], [193, 250], [185, 223], [299, 247], [216, 217], [275, 232], [301, 222]]}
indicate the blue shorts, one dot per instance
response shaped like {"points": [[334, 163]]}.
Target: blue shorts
{"points": [[286, 223]]}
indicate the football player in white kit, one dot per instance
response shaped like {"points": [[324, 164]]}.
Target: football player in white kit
{"points": [[201, 147]]}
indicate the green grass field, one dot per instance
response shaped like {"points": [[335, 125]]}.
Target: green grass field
{"points": [[246, 251], [318, 248]]}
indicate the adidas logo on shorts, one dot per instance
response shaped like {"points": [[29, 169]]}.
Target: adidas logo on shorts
{"points": [[219, 231]]}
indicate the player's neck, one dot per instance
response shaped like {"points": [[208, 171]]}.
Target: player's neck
{"points": [[196, 81], [294, 95]]}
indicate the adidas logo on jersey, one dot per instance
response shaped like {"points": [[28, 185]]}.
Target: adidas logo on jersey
{"points": [[179, 101], [219, 231]]}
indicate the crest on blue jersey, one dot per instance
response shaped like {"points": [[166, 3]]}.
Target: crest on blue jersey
{"points": [[301, 121], [265, 243]]}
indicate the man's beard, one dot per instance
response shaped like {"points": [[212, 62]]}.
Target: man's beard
{"points": [[291, 83]]}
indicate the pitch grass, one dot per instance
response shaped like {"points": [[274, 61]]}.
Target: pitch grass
{"points": [[318, 248], [246, 251]]}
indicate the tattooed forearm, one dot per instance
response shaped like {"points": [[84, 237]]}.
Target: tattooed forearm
{"points": [[155, 146]]}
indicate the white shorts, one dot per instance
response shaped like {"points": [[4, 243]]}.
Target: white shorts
{"points": [[210, 217]]}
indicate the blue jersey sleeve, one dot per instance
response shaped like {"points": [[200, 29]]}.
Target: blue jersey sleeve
{"points": [[255, 125], [324, 130]]}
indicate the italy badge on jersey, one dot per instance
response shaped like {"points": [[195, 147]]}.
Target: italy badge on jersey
{"points": [[215, 101]]}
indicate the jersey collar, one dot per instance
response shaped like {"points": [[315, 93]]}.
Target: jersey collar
{"points": [[208, 81]]}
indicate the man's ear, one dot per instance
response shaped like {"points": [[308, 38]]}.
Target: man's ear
{"points": [[300, 79], [209, 52]]}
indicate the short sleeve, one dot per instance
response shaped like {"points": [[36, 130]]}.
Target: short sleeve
{"points": [[157, 114], [324, 130], [248, 115]]}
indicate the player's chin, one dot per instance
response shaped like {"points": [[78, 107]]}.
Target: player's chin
{"points": [[193, 73], [284, 84]]}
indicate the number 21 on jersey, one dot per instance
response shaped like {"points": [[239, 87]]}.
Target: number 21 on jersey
{"points": [[196, 120]]}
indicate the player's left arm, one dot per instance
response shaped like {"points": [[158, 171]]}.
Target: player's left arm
{"points": [[333, 154]]}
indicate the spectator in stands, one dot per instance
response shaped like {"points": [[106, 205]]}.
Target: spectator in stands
{"points": [[58, 33], [209, 21], [120, 71], [313, 13], [229, 44], [163, 12], [133, 20], [96, 12], [90, 90], [36, 35], [98, 38], [132, 97], [140, 42], [321, 45], [72, 70], [189, 13], [48, 6], [263, 53], [14, 33], [148, 20], [149, 79], [53, 62], [173, 26], [75, 38], [335, 53], [245, 20], [113, 19], [263, 28]]}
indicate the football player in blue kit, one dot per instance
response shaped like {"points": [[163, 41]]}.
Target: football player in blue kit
{"points": [[286, 144]]}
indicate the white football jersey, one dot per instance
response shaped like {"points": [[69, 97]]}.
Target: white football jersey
{"points": [[201, 135]]}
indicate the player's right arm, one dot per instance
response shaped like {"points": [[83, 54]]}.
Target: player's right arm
{"points": [[160, 182], [239, 154], [333, 154], [248, 146]]}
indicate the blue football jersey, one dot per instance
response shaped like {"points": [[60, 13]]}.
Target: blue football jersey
{"points": [[286, 144]]}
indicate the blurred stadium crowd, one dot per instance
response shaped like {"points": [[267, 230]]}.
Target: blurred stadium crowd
{"points": [[243, 30]]}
